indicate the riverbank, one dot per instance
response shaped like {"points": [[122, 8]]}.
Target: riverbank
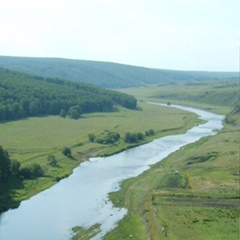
{"points": [[193, 192], [33, 140]]}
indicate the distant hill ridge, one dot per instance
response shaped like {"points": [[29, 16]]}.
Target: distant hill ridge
{"points": [[104, 74]]}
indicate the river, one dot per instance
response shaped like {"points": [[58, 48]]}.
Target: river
{"points": [[82, 198]]}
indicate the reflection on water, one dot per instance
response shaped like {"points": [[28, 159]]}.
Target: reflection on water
{"points": [[81, 199]]}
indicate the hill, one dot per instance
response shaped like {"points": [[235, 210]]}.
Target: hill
{"points": [[23, 95], [103, 74]]}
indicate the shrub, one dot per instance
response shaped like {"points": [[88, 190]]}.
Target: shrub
{"points": [[63, 113], [130, 137], [31, 171], [107, 138], [150, 132], [67, 152]]}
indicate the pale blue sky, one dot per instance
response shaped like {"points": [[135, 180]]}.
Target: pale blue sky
{"points": [[170, 34]]}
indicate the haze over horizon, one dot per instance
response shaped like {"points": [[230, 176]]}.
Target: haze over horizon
{"points": [[197, 35]]}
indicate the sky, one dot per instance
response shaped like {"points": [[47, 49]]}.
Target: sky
{"points": [[163, 34]]}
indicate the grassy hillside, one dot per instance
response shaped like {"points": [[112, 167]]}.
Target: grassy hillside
{"points": [[104, 74]]}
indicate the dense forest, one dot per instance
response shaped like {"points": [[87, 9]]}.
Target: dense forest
{"points": [[104, 74], [23, 95]]}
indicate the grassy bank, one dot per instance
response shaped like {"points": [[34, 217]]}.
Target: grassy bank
{"points": [[32, 140], [192, 194]]}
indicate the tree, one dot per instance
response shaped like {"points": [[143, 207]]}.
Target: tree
{"points": [[130, 137], [74, 112], [3, 112], [63, 113], [139, 136], [67, 152], [32, 171], [149, 132], [15, 167], [36, 170], [5, 165]]}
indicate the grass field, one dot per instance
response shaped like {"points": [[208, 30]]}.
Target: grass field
{"points": [[192, 194], [33, 140]]}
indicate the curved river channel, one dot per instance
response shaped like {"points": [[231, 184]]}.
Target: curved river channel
{"points": [[82, 198]]}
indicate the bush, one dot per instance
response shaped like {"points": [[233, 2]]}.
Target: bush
{"points": [[63, 113], [74, 112], [105, 137], [130, 137], [150, 132], [140, 136], [67, 152], [31, 171]]}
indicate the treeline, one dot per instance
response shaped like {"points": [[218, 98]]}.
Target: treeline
{"points": [[23, 95]]}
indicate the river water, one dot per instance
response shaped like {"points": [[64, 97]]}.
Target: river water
{"points": [[82, 198]]}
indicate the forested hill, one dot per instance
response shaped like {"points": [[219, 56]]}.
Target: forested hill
{"points": [[23, 95], [104, 74]]}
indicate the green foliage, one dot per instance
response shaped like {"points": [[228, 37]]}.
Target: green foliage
{"points": [[150, 132], [5, 165], [32, 171], [23, 95], [63, 113], [74, 114], [133, 137], [139, 136], [15, 167], [67, 152], [106, 137]]}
